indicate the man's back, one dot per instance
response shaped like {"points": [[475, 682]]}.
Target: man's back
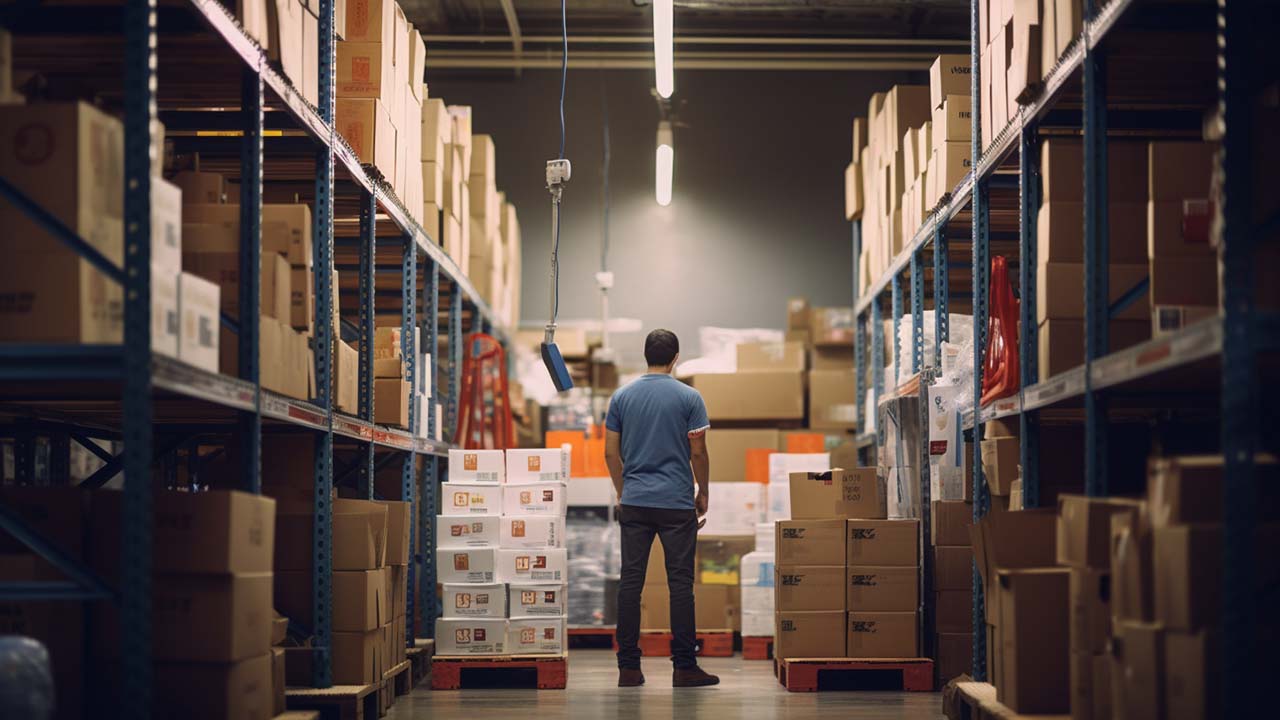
{"points": [[654, 416]]}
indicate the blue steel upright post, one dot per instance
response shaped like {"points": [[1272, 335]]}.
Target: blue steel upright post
{"points": [[409, 347], [980, 269], [368, 266], [322, 251], [941, 293], [877, 359], [1096, 253], [135, 545], [895, 297], [917, 314], [859, 335], [1028, 370], [455, 361], [250, 300], [431, 467], [1243, 665]]}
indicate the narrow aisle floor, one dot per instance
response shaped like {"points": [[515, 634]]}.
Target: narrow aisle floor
{"points": [[747, 690]]}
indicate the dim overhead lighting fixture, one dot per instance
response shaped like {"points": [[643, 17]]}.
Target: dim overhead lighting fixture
{"points": [[664, 46], [666, 163]]}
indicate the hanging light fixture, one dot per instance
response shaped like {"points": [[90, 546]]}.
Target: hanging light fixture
{"points": [[666, 158], [664, 46]]}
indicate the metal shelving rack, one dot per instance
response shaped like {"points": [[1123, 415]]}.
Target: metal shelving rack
{"points": [[141, 390], [1226, 347]]}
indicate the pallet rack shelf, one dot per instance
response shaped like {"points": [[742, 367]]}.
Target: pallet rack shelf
{"points": [[266, 132], [1218, 356]]}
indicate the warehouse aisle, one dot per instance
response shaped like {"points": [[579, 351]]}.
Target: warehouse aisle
{"points": [[747, 689]]}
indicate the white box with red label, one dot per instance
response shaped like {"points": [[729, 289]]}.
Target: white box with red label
{"points": [[539, 600], [531, 531], [470, 499], [549, 498], [466, 565], [535, 636], [476, 466], [467, 531], [471, 636], [533, 566], [526, 466], [466, 600]]}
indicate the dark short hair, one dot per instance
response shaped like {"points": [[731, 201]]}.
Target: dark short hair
{"points": [[661, 347]]}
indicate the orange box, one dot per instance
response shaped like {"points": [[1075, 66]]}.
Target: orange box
{"points": [[758, 465], [806, 443], [595, 459], [578, 454]]}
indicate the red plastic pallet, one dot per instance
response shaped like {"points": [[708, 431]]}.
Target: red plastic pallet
{"points": [[657, 643], [553, 670], [757, 648], [801, 675]]}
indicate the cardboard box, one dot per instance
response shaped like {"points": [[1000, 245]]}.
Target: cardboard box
{"points": [[881, 589], [346, 380], [548, 498], [68, 159], [531, 531], [1183, 281], [467, 498], [399, 520], [954, 655], [832, 325], [953, 611], [1188, 568], [1132, 580], [853, 192], [752, 395], [1000, 464], [951, 521], [883, 635], [1179, 170], [200, 187], [359, 534], [1084, 527], [536, 636], [529, 466], [1189, 489], [809, 635], [798, 307], [1139, 684], [729, 449], [1060, 232], [954, 162], [949, 75], [856, 493], [234, 610], [536, 600], [217, 690], [277, 681], [357, 657], [1090, 606], [809, 587], [474, 600], [165, 324], [302, 299], [774, 356], [716, 607], [477, 466], [548, 565], [883, 542], [952, 567], [391, 402], [1012, 540], [466, 565], [360, 601], [198, 302], [810, 542], [832, 400], [1090, 686], [1034, 650], [1192, 676], [366, 125], [952, 122], [1067, 22], [831, 357], [366, 70], [1062, 170], [1061, 342]]}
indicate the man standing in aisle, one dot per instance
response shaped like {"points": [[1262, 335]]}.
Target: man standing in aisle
{"points": [[655, 447]]}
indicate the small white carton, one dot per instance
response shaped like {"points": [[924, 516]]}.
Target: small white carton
{"points": [[781, 465], [164, 311], [537, 466], [470, 499], [471, 636], [549, 565], [536, 600], [456, 531], [536, 636], [466, 565], [531, 531], [735, 508], [779, 501], [468, 600], [535, 499], [476, 466], [198, 322]]}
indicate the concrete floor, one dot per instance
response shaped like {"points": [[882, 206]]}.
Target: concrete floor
{"points": [[747, 690]]}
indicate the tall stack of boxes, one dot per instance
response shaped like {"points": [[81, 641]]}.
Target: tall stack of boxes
{"points": [[899, 454], [951, 558], [500, 548]]}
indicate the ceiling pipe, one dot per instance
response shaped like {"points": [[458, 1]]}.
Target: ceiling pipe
{"points": [[698, 40]]}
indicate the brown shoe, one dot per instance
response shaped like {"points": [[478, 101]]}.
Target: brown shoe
{"points": [[630, 678], [693, 677]]}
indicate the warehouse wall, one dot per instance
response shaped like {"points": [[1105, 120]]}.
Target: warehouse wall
{"points": [[757, 214]]}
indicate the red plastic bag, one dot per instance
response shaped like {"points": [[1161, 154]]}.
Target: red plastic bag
{"points": [[1000, 358]]}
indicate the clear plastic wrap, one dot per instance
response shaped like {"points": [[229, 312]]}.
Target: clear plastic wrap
{"points": [[26, 682], [594, 552]]}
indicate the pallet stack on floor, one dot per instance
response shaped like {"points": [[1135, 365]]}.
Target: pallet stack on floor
{"points": [[500, 549]]}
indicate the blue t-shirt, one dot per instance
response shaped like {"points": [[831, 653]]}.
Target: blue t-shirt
{"points": [[655, 415]]}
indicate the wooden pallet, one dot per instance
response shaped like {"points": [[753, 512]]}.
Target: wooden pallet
{"points": [[298, 715], [802, 675], [419, 656], [399, 679], [340, 702], [977, 701], [551, 671], [593, 636], [757, 648], [708, 643]]}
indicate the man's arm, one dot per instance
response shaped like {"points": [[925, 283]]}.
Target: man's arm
{"points": [[701, 461], [613, 459]]}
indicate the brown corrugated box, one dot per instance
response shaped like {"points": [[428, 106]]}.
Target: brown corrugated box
{"points": [[832, 398], [1138, 670], [1035, 675], [882, 635], [1000, 461], [359, 600], [1090, 686], [752, 395], [359, 534], [1061, 341], [953, 611], [856, 493], [399, 521], [233, 612], [242, 690], [1090, 606], [771, 356], [809, 634], [953, 655], [881, 588], [357, 657], [1132, 568], [952, 567], [1084, 528], [809, 587], [1189, 489], [278, 682], [1059, 290], [883, 542], [810, 542], [1193, 677], [1060, 229], [950, 521], [729, 449], [391, 402], [949, 75], [1010, 540]]}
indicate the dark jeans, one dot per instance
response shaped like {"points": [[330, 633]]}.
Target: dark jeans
{"points": [[678, 530]]}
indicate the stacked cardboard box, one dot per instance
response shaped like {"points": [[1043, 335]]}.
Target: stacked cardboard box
{"points": [[952, 563], [1181, 264], [781, 467], [899, 453], [502, 560], [946, 140], [391, 386], [767, 387], [1001, 455]]}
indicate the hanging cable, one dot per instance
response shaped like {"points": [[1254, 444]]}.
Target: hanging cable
{"points": [[604, 240], [558, 173], [564, 69]]}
